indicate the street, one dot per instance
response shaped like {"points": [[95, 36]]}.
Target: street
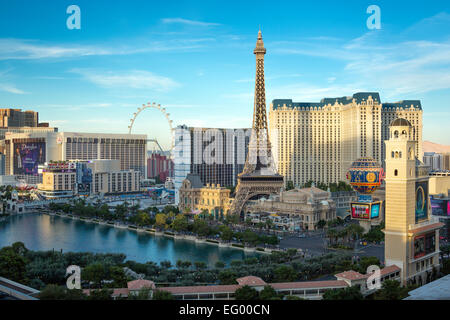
{"points": [[316, 245]]}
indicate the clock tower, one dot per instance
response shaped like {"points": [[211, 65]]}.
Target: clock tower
{"points": [[411, 232]]}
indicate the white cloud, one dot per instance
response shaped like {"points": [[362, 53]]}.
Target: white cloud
{"points": [[11, 89], [20, 49], [380, 62], [136, 79], [189, 22], [26, 49]]}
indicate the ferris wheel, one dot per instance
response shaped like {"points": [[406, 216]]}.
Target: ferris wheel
{"points": [[163, 111]]}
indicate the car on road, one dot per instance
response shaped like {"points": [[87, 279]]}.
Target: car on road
{"points": [[302, 235]]}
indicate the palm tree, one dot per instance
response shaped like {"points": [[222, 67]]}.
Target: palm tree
{"points": [[332, 234], [356, 231]]}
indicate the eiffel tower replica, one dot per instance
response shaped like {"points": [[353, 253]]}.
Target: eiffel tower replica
{"points": [[259, 177]]}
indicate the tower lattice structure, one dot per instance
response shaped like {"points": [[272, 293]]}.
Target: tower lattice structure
{"points": [[259, 177]]}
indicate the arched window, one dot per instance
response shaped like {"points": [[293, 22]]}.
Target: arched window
{"points": [[400, 154], [411, 153], [404, 132], [395, 134], [396, 154], [393, 154], [395, 172]]}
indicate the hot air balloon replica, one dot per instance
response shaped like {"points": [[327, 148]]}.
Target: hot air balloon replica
{"points": [[365, 176]]}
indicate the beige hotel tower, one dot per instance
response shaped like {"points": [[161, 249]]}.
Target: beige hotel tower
{"points": [[318, 141], [411, 232]]}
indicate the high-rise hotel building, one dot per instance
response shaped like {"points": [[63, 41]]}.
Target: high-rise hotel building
{"points": [[216, 155], [318, 141], [24, 152]]}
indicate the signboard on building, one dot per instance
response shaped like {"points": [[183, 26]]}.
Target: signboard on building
{"points": [[360, 210], [424, 244], [440, 207], [84, 178], [421, 200], [27, 157], [365, 211], [375, 210], [61, 166]]}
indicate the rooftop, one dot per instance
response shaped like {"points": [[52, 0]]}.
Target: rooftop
{"points": [[436, 290], [359, 97], [401, 122], [351, 275], [195, 180], [140, 283], [251, 281]]}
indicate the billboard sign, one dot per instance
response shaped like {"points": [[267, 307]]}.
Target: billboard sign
{"points": [[421, 200], [365, 211], [61, 166], [440, 207], [375, 210], [424, 244], [360, 210], [84, 178], [27, 157]]}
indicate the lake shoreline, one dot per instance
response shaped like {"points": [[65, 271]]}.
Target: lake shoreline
{"points": [[167, 234], [41, 231]]}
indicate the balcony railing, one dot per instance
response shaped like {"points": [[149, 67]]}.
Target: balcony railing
{"points": [[431, 220]]}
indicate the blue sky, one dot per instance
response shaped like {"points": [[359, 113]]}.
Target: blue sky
{"points": [[195, 58]]}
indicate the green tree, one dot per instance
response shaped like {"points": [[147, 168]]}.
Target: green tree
{"points": [[166, 264], [268, 293], [12, 264], [118, 276], [392, 290], [94, 273], [167, 209], [225, 233], [100, 294], [56, 292], [19, 248], [162, 295], [201, 227], [180, 223], [183, 264], [285, 273], [143, 294], [143, 219], [321, 224], [227, 277], [161, 220], [289, 185], [200, 265], [366, 262], [120, 211], [220, 265], [332, 235], [246, 293]]}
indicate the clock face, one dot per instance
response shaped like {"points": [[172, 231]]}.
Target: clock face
{"points": [[421, 200]]}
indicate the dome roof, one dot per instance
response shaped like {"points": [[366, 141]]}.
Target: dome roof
{"points": [[400, 122], [365, 162]]}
